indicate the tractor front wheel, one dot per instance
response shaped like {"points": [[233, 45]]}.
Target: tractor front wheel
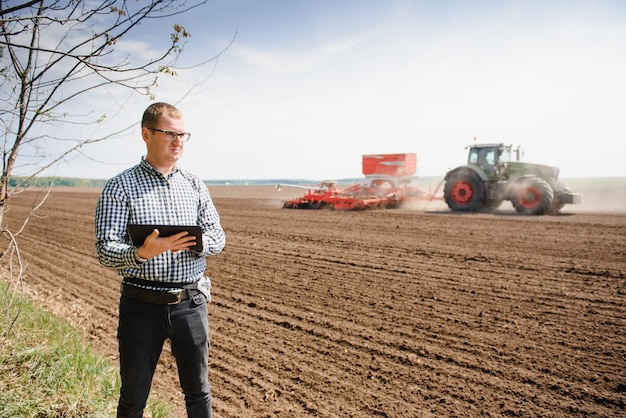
{"points": [[464, 193], [532, 196], [557, 202]]}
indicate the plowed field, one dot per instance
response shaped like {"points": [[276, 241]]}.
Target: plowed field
{"points": [[396, 313]]}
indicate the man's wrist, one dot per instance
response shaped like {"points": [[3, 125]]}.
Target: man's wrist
{"points": [[139, 259]]}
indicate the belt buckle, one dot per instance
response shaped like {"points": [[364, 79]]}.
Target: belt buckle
{"points": [[179, 298]]}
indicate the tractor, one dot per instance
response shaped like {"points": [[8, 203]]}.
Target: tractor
{"points": [[494, 173]]}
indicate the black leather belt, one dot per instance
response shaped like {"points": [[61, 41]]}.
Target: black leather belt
{"points": [[156, 297]]}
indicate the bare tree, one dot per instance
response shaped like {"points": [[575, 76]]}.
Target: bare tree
{"points": [[53, 53]]}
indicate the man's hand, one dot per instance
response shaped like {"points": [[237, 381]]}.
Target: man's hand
{"points": [[155, 245]]}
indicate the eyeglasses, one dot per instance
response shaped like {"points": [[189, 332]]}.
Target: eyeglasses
{"points": [[171, 136]]}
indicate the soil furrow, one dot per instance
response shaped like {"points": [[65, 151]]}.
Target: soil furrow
{"points": [[394, 313]]}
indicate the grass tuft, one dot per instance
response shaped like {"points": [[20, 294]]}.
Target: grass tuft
{"points": [[47, 369]]}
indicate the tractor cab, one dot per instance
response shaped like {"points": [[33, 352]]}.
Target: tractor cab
{"points": [[492, 158], [491, 154]]}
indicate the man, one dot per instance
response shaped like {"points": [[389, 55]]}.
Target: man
{"points": [[164, 291]]}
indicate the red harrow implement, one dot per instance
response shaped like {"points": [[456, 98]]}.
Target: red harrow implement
{"points": [[386, 185]]}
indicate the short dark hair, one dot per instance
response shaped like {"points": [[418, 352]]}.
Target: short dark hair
{"points": [[155, 111]]}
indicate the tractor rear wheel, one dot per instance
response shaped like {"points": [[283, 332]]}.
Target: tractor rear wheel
{"points": [[532, 196], [464, 192]]}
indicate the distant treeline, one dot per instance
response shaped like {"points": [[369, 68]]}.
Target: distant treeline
{"points": [[55, 181], [76, 182]]}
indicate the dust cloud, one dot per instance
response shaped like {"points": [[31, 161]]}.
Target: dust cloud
{"points": [[604, 195]]}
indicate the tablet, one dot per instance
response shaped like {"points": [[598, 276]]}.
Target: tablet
{"points": [[138, 233]]}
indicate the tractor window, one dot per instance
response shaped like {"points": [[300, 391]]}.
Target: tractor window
{"points": [[483, 156], [486, 156], [490, 157], [505, 155], [473, 156]]}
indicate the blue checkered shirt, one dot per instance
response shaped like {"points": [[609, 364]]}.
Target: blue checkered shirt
{"points": [[142, 195]]}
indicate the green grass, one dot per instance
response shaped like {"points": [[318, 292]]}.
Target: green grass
{"points": [[48, 370]]}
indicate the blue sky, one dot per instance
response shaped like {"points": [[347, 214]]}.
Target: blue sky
{"points": [[308, 87]]}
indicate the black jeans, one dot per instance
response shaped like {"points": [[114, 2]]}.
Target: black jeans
{"points": [[143, 329]]}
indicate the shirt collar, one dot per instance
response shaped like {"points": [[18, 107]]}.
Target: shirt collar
{"points": [[147, 167]]}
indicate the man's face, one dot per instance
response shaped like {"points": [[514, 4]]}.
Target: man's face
{"points": [[161, 151]]}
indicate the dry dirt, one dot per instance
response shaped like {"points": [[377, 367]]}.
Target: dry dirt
{"points": [[393, 313]]}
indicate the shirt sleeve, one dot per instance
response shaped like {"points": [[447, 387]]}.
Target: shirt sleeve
{"points": [[213, 236], [112, 212]]}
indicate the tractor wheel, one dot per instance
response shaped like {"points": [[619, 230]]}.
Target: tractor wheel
{"points": [[557, 203], [556, 207], [464, 193], [532, 196]]}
